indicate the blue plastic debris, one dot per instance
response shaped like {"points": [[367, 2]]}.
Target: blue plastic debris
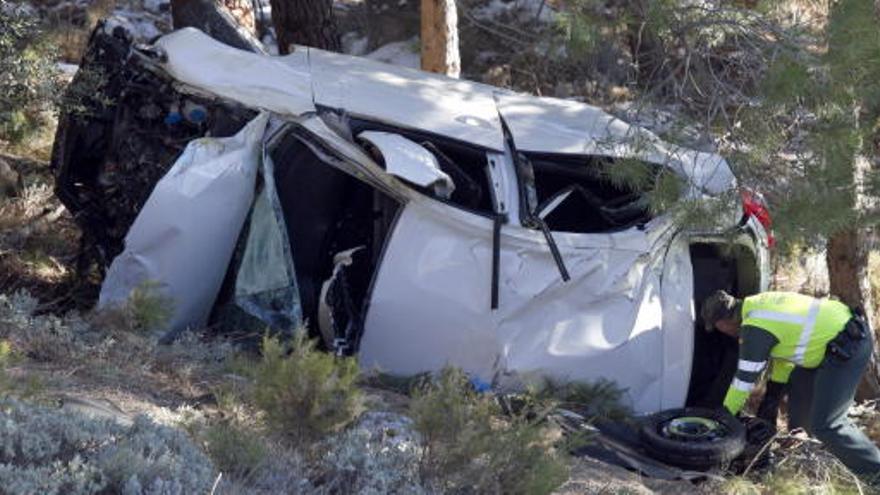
{"points": [[195, 113], [480, 386], [173, 118]]}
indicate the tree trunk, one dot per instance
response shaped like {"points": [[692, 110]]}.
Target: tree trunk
{"points": [[847, 258], [847, 251], [217, 21], [305, 22], [440, 37], [243, 13]]}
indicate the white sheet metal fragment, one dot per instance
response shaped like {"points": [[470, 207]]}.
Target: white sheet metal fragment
{"points": [[410, 161], [183, 237], [280, 84], [501, 173], [353, 160], [456, 108], [609, 313], [676, 294]]}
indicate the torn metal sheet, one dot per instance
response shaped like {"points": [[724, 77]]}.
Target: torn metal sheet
{"points": [[455, 108], [109, 155], [210, 17], [610, 312], [410, 161], [676, 295], [612, 451], [458, 109], [350, 158], [280, 84], [183, 238]]}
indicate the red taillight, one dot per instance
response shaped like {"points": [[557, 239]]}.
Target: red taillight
{"points": [[755, 206]]}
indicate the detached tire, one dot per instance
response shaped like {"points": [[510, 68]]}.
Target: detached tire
{"points": [[693, 437]]}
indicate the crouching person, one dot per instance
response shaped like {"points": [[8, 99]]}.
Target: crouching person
{"points": [[817, 348]]}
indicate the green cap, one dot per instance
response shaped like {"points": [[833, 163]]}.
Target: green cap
{"points": [[717, 306]]}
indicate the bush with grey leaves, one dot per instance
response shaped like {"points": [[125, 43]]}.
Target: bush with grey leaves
{"points": [[50, 451]]}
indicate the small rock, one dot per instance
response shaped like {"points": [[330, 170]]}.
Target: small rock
{"points": [[11, 184]]}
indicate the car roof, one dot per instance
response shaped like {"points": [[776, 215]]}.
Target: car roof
{"points": [[455, 108]]}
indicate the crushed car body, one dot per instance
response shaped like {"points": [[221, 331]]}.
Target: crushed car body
{"points": [[411, 219]]}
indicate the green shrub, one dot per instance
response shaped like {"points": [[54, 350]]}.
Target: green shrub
{"points": [[305, 393], [27, 387], [28, 78], [148, 308], [469, 447], [6, 382], [236, 451], [597, 399]]}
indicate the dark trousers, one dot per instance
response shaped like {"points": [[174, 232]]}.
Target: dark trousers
{"points": [[818, 402]]}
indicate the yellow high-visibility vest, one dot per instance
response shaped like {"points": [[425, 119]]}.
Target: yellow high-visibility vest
{"points": [[804, 325]]}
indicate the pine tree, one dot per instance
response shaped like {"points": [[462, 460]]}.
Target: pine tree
{"points": [[772, 91], [831, 193], [854, 67], [28, 77]]}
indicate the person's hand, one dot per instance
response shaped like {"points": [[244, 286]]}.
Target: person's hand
{"points": [[759, 430], [769, 408]]}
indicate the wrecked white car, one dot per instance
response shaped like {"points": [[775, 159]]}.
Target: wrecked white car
{"points": [[411, 219]]}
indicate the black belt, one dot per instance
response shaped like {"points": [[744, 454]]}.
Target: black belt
{"points": [[855, 330]]}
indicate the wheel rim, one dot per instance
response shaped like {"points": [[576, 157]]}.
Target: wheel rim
{"points": [[693, 429]]}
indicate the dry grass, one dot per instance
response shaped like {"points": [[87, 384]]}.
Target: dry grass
{"points": [[802, 466], [37, 144], [38, 242], [812, 14]]}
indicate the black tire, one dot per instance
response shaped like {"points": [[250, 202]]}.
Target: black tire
{"points": [[721, 444]]}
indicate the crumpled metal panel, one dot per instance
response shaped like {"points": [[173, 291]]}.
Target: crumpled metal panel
{"points": [[410, 161], [456, 108], [431, 305], [184, 237], [677, 294], [280, 84]]}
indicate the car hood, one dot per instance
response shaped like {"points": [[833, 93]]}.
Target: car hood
{"points": [[298, 83]]}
